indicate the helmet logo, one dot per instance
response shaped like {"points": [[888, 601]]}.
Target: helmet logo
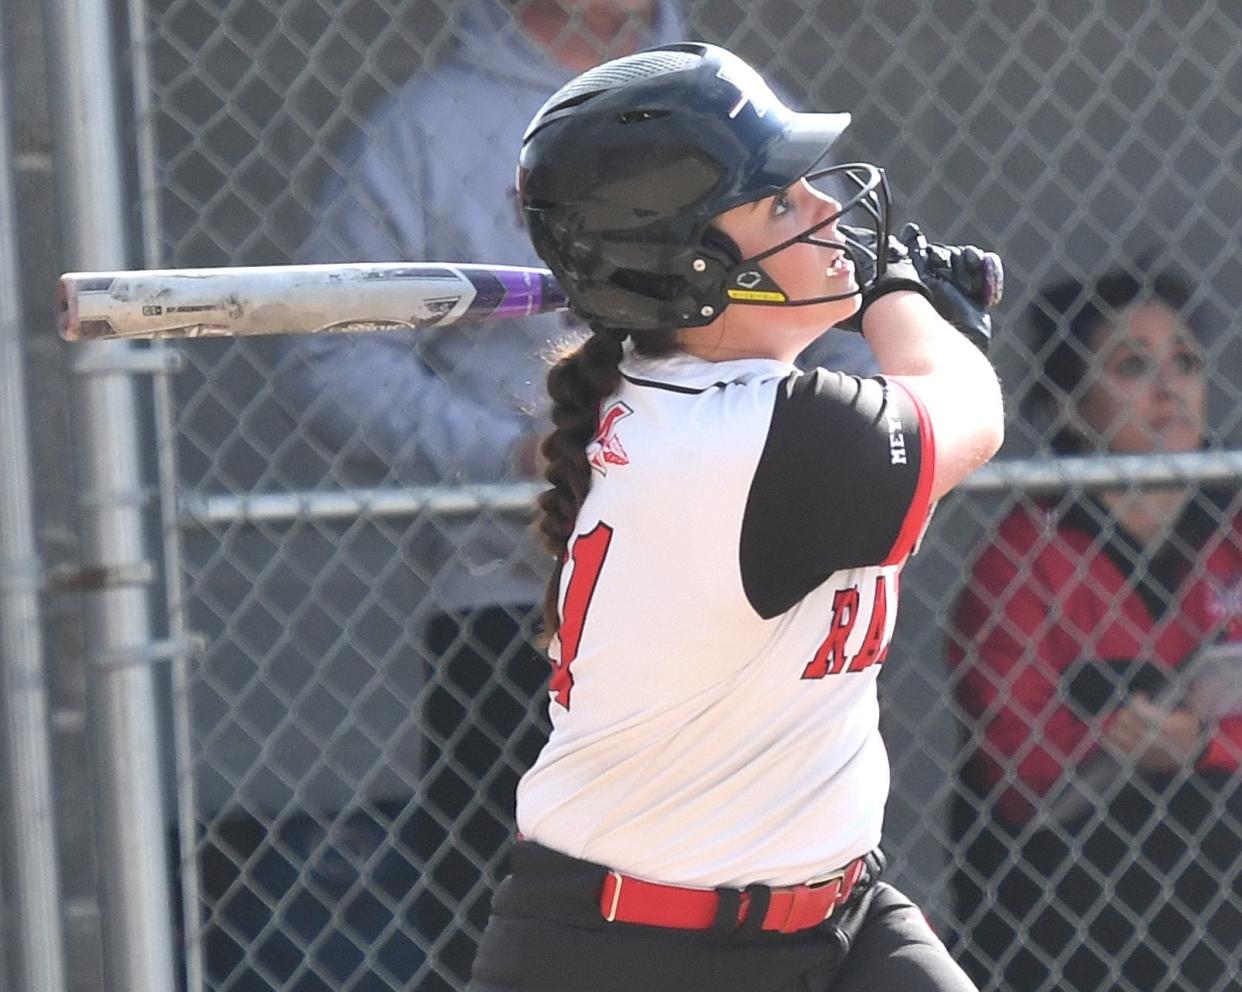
{"points": [[750, 87], [754, 286], [605, 448]]}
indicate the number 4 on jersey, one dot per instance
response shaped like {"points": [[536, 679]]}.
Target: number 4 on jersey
{"points": [[586, 560]]}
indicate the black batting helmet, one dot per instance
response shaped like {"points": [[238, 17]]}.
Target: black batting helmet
{"points": [[624, 168]]}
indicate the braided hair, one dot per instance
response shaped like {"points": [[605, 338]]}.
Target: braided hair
{"points": [[578, 382]]}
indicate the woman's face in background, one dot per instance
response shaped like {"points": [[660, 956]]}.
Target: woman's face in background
{"points": [[1146, 389]]}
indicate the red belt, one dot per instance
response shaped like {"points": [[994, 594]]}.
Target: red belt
{"points": [[797, 907]]}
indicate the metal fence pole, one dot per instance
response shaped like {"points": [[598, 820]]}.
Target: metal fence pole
{"points": [[145, 145], [133, 856], [1026, 475], [33, 929]]}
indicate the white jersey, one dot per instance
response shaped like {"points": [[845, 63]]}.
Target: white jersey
{"points": [[726, 602]]}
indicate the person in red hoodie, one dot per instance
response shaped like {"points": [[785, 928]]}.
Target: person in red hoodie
{"points": [[1096, 673]]}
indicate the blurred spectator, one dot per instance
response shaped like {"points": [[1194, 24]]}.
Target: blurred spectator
{"points": [[432, 178], [1100, 827]]}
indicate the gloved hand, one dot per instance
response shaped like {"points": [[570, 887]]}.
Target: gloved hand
{"points": [[899, 270], [964, 282]]}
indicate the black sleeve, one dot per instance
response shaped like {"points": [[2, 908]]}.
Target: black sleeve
{"points": [[843, 482]]}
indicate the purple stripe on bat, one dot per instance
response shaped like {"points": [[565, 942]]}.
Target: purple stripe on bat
{"points": [[528, 293]]}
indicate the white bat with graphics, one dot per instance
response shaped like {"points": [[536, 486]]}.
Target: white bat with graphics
{"points": [[240, 301]]}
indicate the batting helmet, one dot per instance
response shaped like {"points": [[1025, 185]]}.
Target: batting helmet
{"points": [[624, 168]]}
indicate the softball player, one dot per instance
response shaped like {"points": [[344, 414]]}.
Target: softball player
{"points": [[731, 533]]}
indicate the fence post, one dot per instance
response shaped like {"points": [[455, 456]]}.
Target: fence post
{"points": [[117, 572], [34, 945]]}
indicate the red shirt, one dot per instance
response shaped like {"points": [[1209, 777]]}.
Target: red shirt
{"points": [[1056, 591]]}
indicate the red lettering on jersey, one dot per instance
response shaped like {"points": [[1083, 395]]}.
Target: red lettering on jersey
{"points": [[587, 554], [605, 448], [873, 647], [830, 658]]}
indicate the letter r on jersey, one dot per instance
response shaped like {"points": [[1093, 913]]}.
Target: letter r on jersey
{"points": [[830, 658]]}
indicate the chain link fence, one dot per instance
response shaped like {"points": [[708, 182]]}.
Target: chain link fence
{"points": [[357, 718]]}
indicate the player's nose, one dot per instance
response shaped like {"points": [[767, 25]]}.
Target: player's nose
{"points": [[823, 205]]}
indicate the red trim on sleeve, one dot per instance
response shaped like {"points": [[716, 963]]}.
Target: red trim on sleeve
{"points": [[920, 504]]}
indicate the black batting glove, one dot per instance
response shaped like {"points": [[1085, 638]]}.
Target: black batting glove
{"points": [[899, 271], [963, 282]]}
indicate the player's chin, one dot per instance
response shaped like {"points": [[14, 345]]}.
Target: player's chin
{"points": [[840, 281]]}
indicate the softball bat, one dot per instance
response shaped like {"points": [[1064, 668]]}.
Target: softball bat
{"points": [[241, 301]]}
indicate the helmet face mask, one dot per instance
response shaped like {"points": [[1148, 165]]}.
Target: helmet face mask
{"points": [[748, 283], [624, 170]]}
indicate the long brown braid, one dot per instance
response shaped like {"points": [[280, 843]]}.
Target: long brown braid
{"points": [[577, 383]]}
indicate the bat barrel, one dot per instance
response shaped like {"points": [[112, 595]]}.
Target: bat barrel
{"points": [[297, 299], [66, 311]]}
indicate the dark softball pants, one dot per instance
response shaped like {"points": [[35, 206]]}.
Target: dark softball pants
{"points": [[546, 934]]}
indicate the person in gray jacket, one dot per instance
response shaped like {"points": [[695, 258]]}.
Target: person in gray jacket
{"points": [[431, 177]]}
